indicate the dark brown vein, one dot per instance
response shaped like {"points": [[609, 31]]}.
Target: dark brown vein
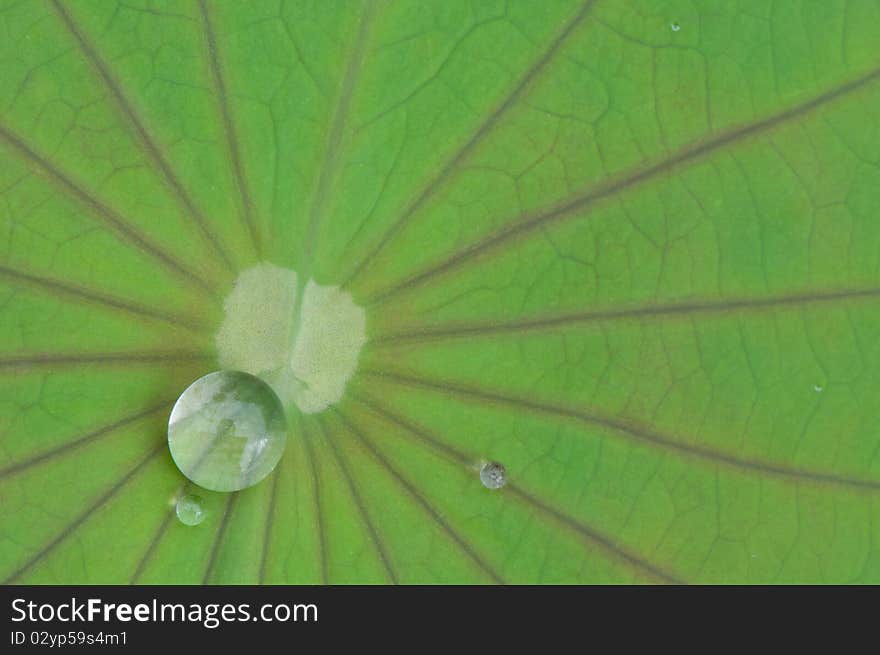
{"points": [[42, 360], [151, 148], [82, 518], [592, 536], [378, 544], [671, 310], [588, 533], [267, 529], [151, 549], [447, 451], [218, 538], [76, 442], [110, 217], [492, 120], [630, 430], [63, 289], [158, 536], [247, 205], [417, 496], [530, 222], [319, 517], [333, 144]]}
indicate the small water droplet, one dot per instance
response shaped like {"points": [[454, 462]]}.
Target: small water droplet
{"points": [[493, 475], [675, 26], [228, 441], [817, 388], [189, 509]]}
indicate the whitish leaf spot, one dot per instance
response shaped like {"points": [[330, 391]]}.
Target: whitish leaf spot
{"points": [[307, 351]]}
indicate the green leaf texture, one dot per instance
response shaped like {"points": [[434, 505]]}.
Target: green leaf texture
{"points": [[629, 249]]}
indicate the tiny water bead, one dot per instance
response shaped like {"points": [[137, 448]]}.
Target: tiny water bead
{"points": [[189, 509], [675, 27], [227, 431], [493, 475]]}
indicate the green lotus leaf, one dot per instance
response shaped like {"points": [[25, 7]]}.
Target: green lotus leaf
{"points": [[627, 250]]}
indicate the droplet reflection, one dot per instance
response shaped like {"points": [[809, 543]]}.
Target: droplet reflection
{"points": [[227, 431]]}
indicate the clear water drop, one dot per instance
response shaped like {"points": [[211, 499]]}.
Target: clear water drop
{"points": [[675, 27], [189, 509], [493, 475], [227, 431]]}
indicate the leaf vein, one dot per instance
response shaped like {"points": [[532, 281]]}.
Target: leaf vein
{"points": [[527, 224]]}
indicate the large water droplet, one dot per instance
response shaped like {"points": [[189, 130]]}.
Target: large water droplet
{"points": [[189, 509], [227, 431], [493, 475]]}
